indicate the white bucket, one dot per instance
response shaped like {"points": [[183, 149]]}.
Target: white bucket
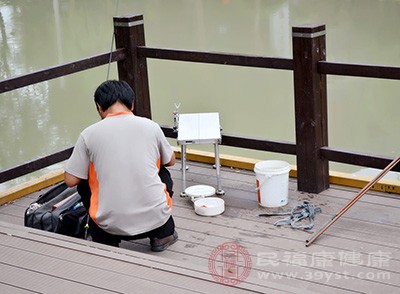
{"points": [[272, 179]]}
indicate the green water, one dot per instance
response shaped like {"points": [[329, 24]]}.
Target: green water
{"points": [[47, 117]]}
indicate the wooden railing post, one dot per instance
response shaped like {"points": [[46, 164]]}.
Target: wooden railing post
{"points": [[129, 34], [310, 108]]}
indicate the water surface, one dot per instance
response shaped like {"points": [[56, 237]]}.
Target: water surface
{"points": [[47, 117]]}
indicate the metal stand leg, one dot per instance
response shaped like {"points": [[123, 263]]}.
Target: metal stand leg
{"points": [[218, 168], [183, 167]]}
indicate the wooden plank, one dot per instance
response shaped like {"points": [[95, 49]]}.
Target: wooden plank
{"points": [[243, 186], [360, 217], [355, 235], [86, 277], [201, 246], [263, 241], [11, 219], [383, 233], [377, 198], [5, 288], [350, 227], [250, 222], [285, 231], [35, 282], [108, 267]]}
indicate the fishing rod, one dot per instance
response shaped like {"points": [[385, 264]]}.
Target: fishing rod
{"points": [[352, 201], [112, 44]]}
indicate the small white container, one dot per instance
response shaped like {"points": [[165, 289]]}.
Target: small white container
{"points": [[211, 206], [203, 204]]}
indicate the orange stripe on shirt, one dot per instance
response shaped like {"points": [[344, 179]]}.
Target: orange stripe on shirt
{"points": [[168, 197], [94, 188], [158, 163]]}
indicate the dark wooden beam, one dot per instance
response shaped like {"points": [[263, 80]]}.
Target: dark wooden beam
{"points": [[216, 58], [259, 144], [129, 34], [359, 159], [60, 70], [311, 114], [34, 165], [247, 142], [359, 70]]}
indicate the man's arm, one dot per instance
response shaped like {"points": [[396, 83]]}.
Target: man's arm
{"points": [[71, 180], [171, 161]]}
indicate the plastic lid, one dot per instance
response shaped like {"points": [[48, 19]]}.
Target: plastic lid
{"points": [[200, 191]]}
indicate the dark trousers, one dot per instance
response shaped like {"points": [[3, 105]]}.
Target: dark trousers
{"points": [[101, 236]]}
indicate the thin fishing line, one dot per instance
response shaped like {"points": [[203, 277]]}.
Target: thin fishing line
{"points": [[112, 44]]}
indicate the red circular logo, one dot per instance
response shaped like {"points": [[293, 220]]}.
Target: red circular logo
{"points": [[229, 263]]}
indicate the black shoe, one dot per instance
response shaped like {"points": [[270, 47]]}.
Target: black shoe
{"points": [[158, 245]]}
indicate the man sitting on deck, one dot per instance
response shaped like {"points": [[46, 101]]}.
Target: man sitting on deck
{"points": [[121, 156]]}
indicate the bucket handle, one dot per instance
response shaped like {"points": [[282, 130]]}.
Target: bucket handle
{"points": [[262, 182]]}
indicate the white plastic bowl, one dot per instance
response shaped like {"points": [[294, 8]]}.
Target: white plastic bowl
{"points": [[210, 206]]}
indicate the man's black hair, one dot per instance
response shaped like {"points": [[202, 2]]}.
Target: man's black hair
{"points": [[112, 91]]}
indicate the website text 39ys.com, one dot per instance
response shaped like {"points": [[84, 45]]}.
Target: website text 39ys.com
{"points": [[324, 276]]}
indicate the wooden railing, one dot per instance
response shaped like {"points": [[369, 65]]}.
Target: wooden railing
{"points": [[309, 68]]}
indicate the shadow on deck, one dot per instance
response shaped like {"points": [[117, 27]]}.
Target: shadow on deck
{"points": [[358, 254]]}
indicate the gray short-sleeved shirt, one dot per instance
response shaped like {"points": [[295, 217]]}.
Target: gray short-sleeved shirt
{"points": [[121, 156]]}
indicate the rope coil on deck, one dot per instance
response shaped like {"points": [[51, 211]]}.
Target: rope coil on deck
{"points": [[297, 214]]}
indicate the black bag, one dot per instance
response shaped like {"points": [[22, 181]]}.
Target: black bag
{"points": [[59, 210]]}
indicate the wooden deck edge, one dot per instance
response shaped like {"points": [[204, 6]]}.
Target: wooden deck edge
{"points": [[31, 186], [337, 178]]}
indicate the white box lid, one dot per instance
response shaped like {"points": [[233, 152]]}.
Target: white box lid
{"points": [[199, 128]]}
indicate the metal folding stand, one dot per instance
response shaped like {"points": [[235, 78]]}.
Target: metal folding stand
{"points": [[200, 128]]}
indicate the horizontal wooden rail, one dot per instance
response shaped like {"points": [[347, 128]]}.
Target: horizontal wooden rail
{"points": [[227, 140], [60, 70], [359, 70], [332, 154], [324, 67], [247, 142], [367, 160], [216, 58], [258, 144], [34, 165]]}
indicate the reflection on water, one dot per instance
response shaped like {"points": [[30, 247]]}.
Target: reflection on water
{"points": [[47, 117]]}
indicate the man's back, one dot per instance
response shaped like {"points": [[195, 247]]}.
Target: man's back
{"points": [[124, 153], [121, 157]]}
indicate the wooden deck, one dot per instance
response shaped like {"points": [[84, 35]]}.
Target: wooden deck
{"points": [[358, 254]]}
